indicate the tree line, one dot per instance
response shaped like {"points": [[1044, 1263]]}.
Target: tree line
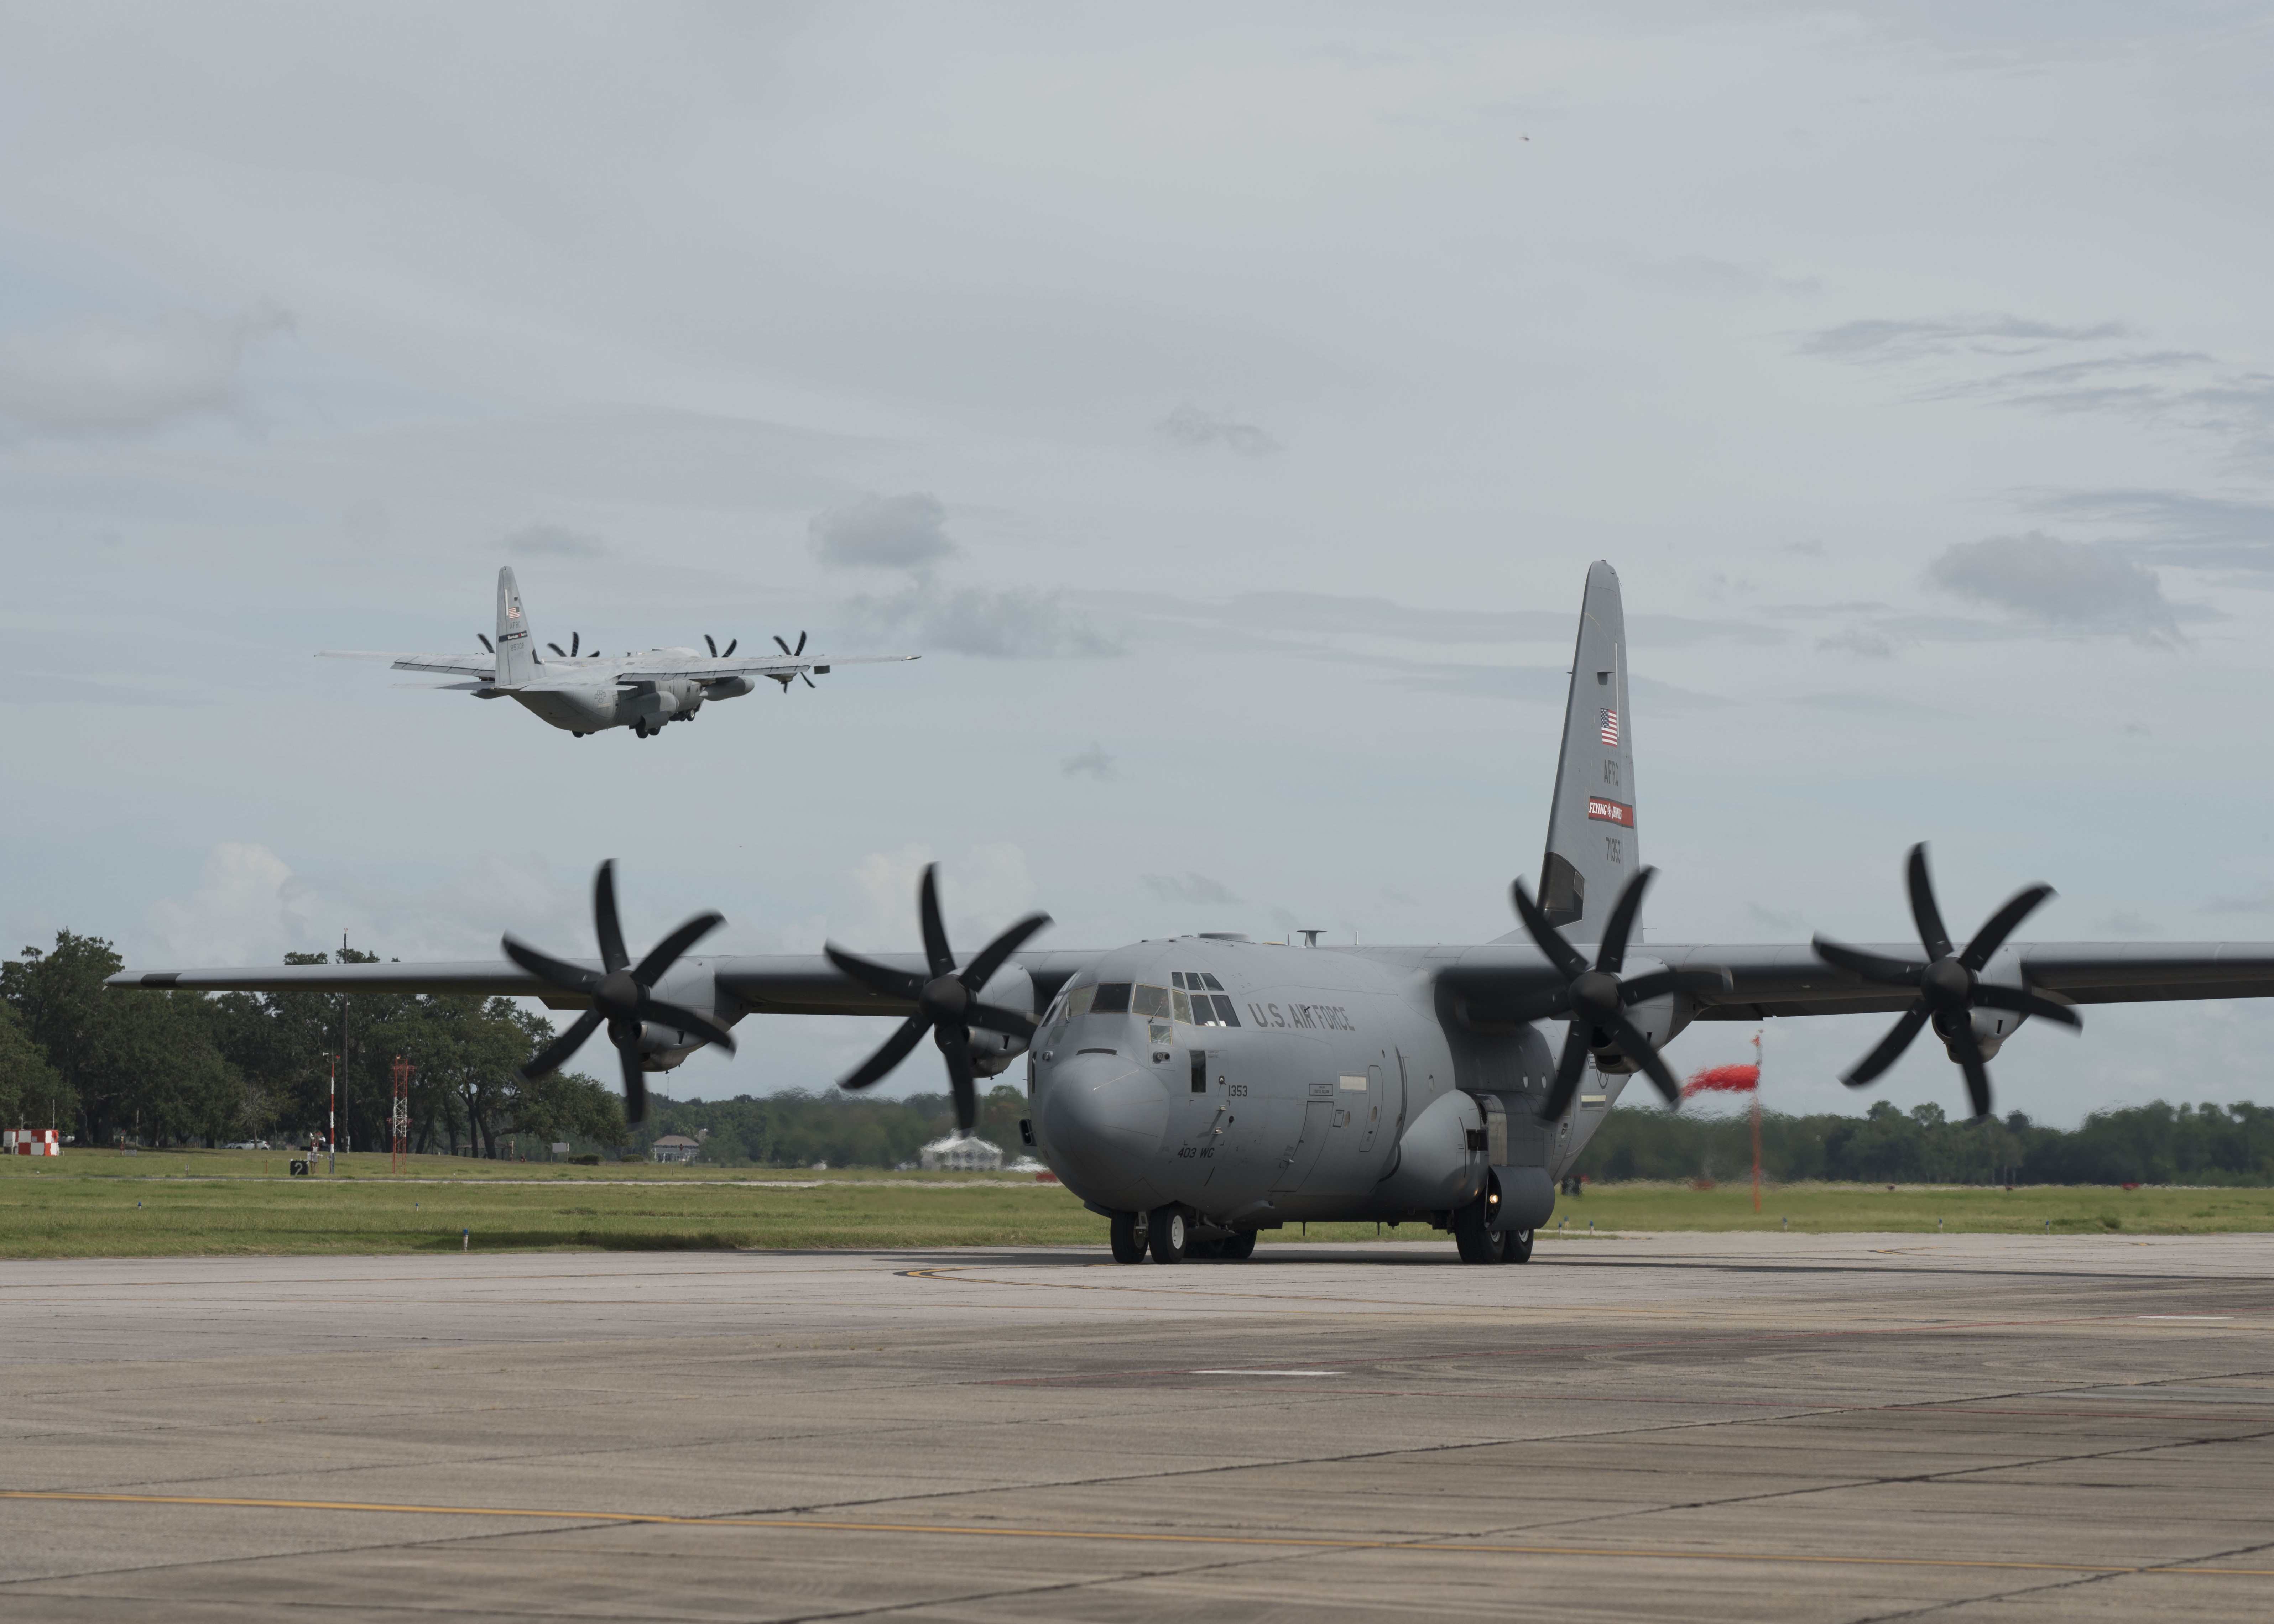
{"points": [[174, 1068], [795, 1128], [2152, 1144]]}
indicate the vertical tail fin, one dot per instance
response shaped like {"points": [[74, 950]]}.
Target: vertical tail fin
{"points": [[1592, 849], [516, 651]]}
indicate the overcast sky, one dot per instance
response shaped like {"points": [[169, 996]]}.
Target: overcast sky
{"points": [[1225, 402]]}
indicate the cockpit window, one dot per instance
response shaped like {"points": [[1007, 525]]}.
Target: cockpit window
{"points": [[1209, 982], [1078, 1002], [1225, 1015], [1181, 1002], [1149, 1001], [1112, 998]]}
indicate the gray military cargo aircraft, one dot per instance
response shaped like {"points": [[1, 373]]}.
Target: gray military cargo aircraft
{"points": [[584, 693], [1196, 1089]]}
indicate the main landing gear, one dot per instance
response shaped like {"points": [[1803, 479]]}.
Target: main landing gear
{"points": [[1479, 1242], [1171, 1238]]}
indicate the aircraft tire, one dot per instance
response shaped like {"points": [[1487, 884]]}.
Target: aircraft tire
{"points": [[1516, 1246], [1478, 1242], [1170, 1236], [1242, 1245], [1128, 1239]]}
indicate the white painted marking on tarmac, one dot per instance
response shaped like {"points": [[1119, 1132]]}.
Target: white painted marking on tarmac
{"points": [[2183, 1316], [1258, 1372]]}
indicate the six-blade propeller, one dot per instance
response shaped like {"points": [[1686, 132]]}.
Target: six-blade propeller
{"points": [[793, 653], [1595, 997], [713, 642], [947, 1001], [1949, 984], [621, 993]]}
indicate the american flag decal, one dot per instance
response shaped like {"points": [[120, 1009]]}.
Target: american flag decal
{"points": [[1610, 727]]}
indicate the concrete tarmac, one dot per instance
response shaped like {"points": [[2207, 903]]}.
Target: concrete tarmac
{"points": [[1753, 1427]]}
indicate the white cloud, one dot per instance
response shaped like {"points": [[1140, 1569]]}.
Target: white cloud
{"points": [[102, 378], [1189, 428], [883, 532], [2078, 585], [248, 909], [980, 894]]}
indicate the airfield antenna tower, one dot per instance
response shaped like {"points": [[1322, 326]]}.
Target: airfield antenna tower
{"points": [[400, 1116]]}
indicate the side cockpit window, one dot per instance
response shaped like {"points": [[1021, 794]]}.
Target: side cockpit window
{"points": [[1201, 1008]]}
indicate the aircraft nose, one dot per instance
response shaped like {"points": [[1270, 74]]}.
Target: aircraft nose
{"points": [[1102, 1120]]}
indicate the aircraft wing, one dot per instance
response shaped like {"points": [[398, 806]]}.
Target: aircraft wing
{"points": [[486, 977], [1790, 980], [652, 667], [782, 984], [482, 666]]}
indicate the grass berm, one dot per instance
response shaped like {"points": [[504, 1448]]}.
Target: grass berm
{"points": [[91, 1204]]}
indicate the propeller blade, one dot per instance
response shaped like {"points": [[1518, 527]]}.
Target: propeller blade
{"points": [[731, 647], [1924, 915], [991, 958], [556, 649], [937, 952], [1566, 1086], [783, 646], [890, 1054], [604, 919], [2024, 1002], [555, 1054], [1890, 1048], [713, 644], [572, 644], [486, 644], [1645, 988], [876, 977], [805, 679], [635, 1082], [995, 1018], [666, 953], [1992, 935], [1971, 1060], [1560, 954], [794, 653], [686, 1020], [1870, 966], [1613, 952], [963, 1086], [552, 972], [1635, 1044]]}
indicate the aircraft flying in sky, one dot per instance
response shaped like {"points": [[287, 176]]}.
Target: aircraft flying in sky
{"points": [[1196, 1089], [583, 691]]}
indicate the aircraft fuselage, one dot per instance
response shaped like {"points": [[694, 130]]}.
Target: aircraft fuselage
{"points": [[1256, 1084]]}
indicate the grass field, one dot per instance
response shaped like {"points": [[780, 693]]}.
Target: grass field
{"points": [[222, 1203]]}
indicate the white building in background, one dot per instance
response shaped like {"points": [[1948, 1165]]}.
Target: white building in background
{"points": [[957, 1153], [675, 1147]]}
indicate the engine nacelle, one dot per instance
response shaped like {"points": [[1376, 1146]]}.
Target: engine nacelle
{"points": [[1991, 1028], [1659, 1018], [730, 687], [1010, 988]]}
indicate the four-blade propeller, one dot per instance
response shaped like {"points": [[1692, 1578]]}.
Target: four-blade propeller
{"points": [[621, 993], [1595, 997], [947, 1002], [1949, 985]]}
